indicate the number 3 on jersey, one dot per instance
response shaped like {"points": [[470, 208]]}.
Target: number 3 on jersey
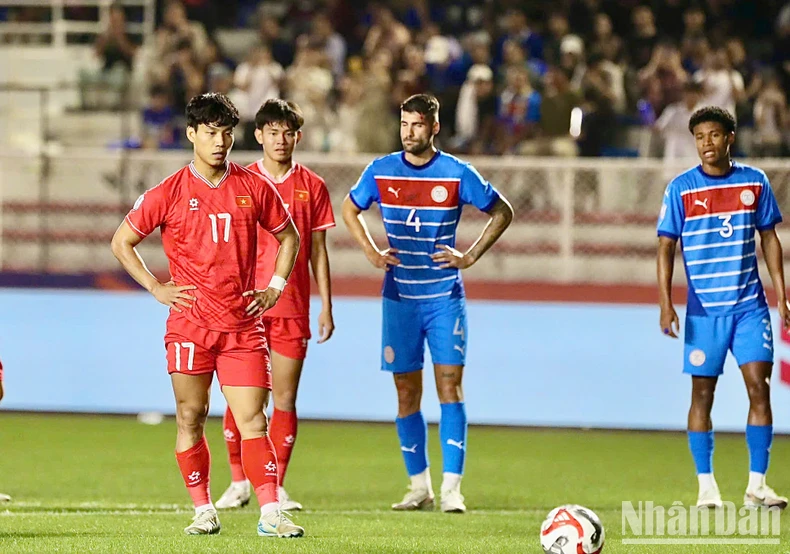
{"points": [[727, 228], [215, 219]]}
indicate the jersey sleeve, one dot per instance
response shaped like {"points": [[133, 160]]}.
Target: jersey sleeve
{"points": [[475, 190], [365, 192], [273, 216], [670, 219], [768, 214], [321, 207], [149, 211]]}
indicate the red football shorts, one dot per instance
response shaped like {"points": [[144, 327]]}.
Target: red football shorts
{"points": [[288, 336], [241, 358]]}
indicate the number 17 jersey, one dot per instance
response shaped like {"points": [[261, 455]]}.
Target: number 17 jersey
{"points": [[716, 219], [210, 237]]}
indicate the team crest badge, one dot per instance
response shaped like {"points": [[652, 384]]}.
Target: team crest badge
{"points": [[697, 357], [439, 194], [747, 197]]}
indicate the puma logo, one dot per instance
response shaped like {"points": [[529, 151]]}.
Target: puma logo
{"points": [[412, 450], [703, 203], [396, 192], [457, 444]]}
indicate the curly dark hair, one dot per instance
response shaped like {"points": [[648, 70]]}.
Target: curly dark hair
{"points": [[712, 114], [211, 108], [275, 110], [426, 105]]}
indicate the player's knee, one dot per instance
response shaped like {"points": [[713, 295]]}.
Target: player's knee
{"points": [[285, 401], [252, 425], [191, 417], [759, 395]]}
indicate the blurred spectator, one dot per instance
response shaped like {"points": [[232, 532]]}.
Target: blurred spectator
{"points": [[606, 78], [343, 134], [518, 111], [668, 14], [572, 59], [604, 41], [694, 52], [661, 81], [177, 30], [476, 110], [693, 23], [644, 36], [554, 118], [184, 75], [378, 129], [115, 50], [673, 125], [723, 85], [770, 118], [386, 32], [257, 79], [558, 27], [413, 78], [324, 37], [159, 121], [309, 82], [271, 36], [598, 127], [517, 29]]}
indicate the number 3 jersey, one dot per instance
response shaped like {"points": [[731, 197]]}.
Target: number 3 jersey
{"points": [[210, 237], [716, 219], [421, 207]]}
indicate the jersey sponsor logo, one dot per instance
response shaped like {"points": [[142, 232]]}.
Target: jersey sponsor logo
{"points": [[138, 202], [747, 197], [389, 354], [439, 194], [193, 204], [703, 203], [697, 357], [301, 195], [244, 201]]}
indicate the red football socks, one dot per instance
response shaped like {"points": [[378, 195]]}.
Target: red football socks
{"points": [[233, 443], [282, 430], [260, 466], [195, 465]]}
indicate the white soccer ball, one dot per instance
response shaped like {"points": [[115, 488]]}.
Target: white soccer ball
{"points": [[572, 529]]}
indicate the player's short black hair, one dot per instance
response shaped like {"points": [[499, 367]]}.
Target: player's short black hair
{"points": [[275, 110], [712, 114], [211, 108], [423, 104]]}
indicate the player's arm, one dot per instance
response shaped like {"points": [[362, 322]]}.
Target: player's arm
{"points": [[283, 265], [352, 215], [123, 246], [319, 260], [670, 324], [500, 218], [772, 252]]}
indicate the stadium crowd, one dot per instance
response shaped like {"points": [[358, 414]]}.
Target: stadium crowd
{"points": [[509, 78]]}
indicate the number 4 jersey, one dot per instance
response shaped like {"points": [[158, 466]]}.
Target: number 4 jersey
{"points": [[210, 237], [716, 219]]}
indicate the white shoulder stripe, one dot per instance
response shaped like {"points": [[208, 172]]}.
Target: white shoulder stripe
{"points": [[727, 186]]}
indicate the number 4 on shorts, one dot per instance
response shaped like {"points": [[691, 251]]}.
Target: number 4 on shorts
{"points": [[190, 346]]}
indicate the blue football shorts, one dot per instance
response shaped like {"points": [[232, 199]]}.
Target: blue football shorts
{"points": [[747, 334], [408, 324]]}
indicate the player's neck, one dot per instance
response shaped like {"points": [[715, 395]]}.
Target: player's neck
{"points": [[421, 159], [211, 173], [276, 169], [719, 169]]}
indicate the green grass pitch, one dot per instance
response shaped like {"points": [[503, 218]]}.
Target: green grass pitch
{"points": [[110, 484]]}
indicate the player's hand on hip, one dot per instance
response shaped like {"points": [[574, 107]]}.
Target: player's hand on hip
{"points": [[670, 324], [173, 296], [784, 314], [262, 300], [383, 259], [450, 257], [326, 326]]}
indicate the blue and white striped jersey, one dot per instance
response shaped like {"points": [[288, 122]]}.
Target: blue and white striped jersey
{"points": [[421, 207], [716, 218]]}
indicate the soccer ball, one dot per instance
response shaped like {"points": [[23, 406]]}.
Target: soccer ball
{"points": [[572, 529]]}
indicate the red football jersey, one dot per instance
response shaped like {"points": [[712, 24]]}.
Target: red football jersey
{"points": [[210, 237], [307, 199]]}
